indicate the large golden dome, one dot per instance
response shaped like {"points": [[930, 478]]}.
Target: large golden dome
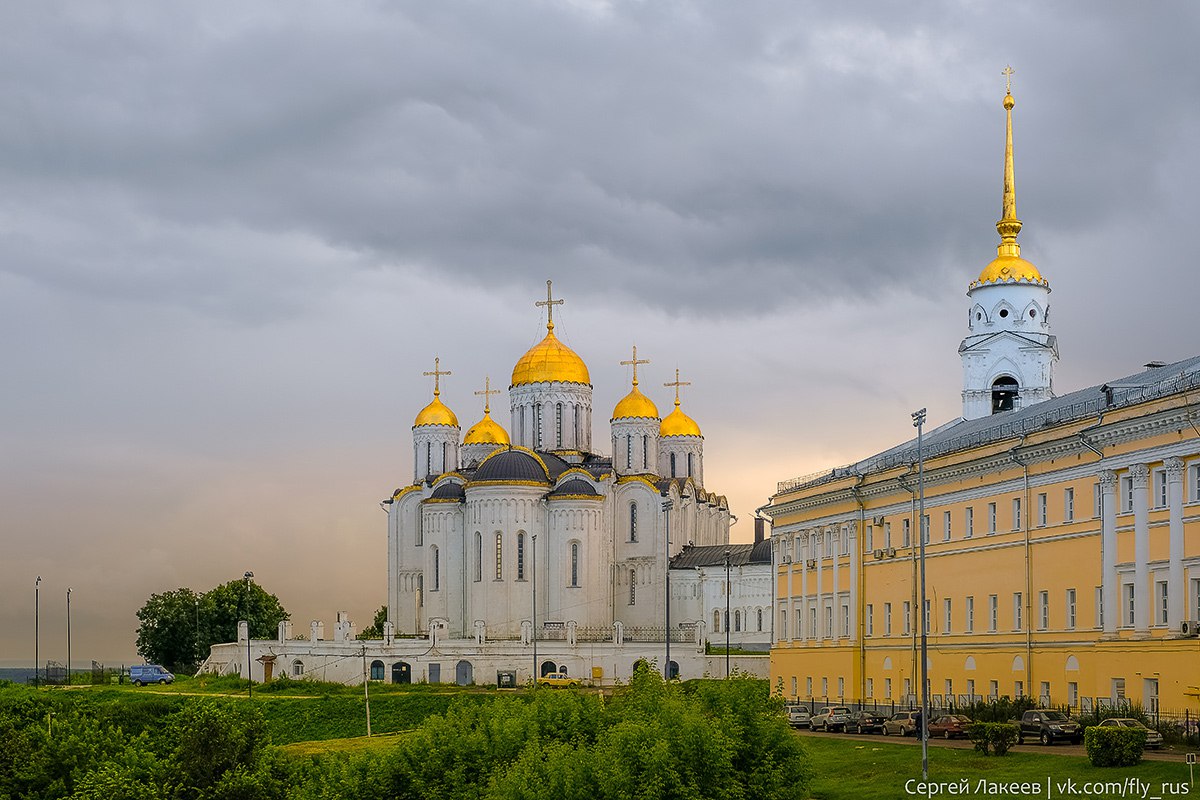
{"points": [[678, 423], [436, 413], [635, 404], [550, 360], [486, 431], [1005, 269]]}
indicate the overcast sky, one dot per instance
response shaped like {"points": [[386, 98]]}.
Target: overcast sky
{"points": [[233, 235]]}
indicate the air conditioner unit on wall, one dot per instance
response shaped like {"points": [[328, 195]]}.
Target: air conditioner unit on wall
{"points": [[1190, 628], [878, 554], [877, 520], [891, 552], [812, 562]]}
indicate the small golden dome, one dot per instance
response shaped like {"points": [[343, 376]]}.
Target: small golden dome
{"points": [[486, 431], [635, 404], [550, 360], [1010, 268], [436, 413], [678, 423]]}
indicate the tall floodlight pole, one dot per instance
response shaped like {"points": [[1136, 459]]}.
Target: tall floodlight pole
{"points": [[919, 422], [727, 593], [196, 634], [533, 608], [249, 678], [666, 507], [37, 635], [68, 635]]}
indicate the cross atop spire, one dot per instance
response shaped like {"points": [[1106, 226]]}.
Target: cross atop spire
{"points": [[487, 392], [677, 383], [549, 303], [437, 373], [635, 361], [1007, 72]]}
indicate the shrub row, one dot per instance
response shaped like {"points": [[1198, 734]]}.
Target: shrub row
{"points": [[993, 737]]}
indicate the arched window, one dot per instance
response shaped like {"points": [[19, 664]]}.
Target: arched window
{"points": [[537, 424], [521, 556], [499, 556], [628, 453], [726, 620], [297, 668], [578, 439], [478, 556], [645, 452], [558, 429], [445, 460], [428, 458], [760, 620], [437, 569], [672, 465], [1004, 394], [689, 465], [420, 590], [376, 670], [521, 422], [574, 563], [633, 522], [716, 622], [632, 586], [737, 621]]}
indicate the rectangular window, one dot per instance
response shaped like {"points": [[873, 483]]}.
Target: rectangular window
{"points": [[993, 689], [633, 598], [812, 622], [1072, 694], [1041, 510], [499, 556], [887, 688], [808, 686], [574, 563], [908, 687], [870, 688], [1017, 600], [1160, 488], [794, 686], [887, 535], [845, 620], [1195, 483], [869, 539], [1195, 599], [1016, 508], [947, 608], [828, 622], [1018, 688], [869, 620], [782, 622], [905, 533], [949, 689], [1097, 500], [844, 544], [1129, 604], [829, 539], [969, 626], [887, 619], [1043, 610], [991, 518], [906, 616], [993, 612], [945, 526], [1163, 604], [1099, 607], [1070, 609], [1118, 689], [841, 688], [1068, 504], [969, 523], [520, 556], [799, 624], [824, 687], [971, 689], [1126, 485], [925, 529]]}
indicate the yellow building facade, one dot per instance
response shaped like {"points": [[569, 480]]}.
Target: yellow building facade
{"points": [[1062, 532]]}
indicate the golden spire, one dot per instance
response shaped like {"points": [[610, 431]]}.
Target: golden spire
{"points": [[635, 361], [1009, 226], [487, 393], [437, 373], [549, 303], [677, 383]]}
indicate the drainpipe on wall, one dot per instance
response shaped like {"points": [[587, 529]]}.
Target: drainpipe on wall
{"points": [[860, 626], [1083, 438], [1012, 454]]}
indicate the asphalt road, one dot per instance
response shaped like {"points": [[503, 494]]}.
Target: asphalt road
{"points": [[1065, 749]]}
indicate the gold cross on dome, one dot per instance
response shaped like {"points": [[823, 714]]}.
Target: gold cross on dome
{"points": [[1008, 72], [487, 392], [437, 373], [549, 303], [635, 361], [677, 383]]}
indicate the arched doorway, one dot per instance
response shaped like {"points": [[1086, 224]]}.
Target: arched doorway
{"points": [[376, 670], [464, 673], [1004, 394], [546, 668], [401, 672]]}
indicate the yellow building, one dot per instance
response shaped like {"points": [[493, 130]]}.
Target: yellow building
{"points": [[1063, 533]]}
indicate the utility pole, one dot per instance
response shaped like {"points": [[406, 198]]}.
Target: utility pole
{"points": [[533, 609], [68, 636], [727, 593], [666, 507], [919, 422], [249, 678], [37, 636], [366, 689]]}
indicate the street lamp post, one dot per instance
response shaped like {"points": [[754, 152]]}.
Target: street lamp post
{"points": [[919, 422], [666, 507], [533, 607], [37, 636], [727, 585], [249, 678], [68, 635], [196, 633]]}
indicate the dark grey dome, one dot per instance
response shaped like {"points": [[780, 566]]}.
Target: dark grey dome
{"points": [[576, 486], [510, 465], [448, 491]]}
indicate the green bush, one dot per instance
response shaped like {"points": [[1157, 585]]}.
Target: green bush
{"points": [[992, 737], [1002, 709], [1114, 747]]}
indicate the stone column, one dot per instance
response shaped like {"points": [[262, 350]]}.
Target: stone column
{"points": [[818, 550], [804, 588], [836, 607], [1139, 474], [1108, 551], [855, 562], [1176, 591]]}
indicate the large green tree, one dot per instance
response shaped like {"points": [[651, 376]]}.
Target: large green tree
{"points": [[176, 628]]}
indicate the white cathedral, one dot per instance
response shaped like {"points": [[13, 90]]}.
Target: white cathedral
{"points": [[516, 554]]}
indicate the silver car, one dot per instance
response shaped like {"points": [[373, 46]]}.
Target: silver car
{"points": [[831, 718], [1154, 739]]}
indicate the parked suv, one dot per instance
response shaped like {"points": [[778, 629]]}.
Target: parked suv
{"points": [[799, 716], [1049, 727], [831, 718], [142, 674]]}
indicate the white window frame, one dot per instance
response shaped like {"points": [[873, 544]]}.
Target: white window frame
{"points": [[1069, 504], [869, 619], [991, 518], [968, 522], [1162, 602], [1125, 493], [1129, 596], [1043, 610], [1018, 608], [887, 619], [993, 613], [1016, 512], [948, 610], [946, 523], [1072, 601], [969, 627], [906, 616], [1042, 502], [1161, 492]]}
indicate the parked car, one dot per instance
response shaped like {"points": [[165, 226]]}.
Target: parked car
{"points": [[831, 718], [903, 723], [557, 679], [866, 722], [799, 717], [141, 674], [1049, 727], [1154, 739], [949, 726]]}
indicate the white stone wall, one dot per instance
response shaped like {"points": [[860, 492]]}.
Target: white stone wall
{"points": [[1009, 335], [435, 450], [681, 447], [635, 445], [537, 404]]}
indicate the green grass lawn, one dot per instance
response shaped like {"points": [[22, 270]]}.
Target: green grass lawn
{"points": [[854, 770]]}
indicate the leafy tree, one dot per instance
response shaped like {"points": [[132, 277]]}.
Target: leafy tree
{"points": [[375, 629], [177, 627]]}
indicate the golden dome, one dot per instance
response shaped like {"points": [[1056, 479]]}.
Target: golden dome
{"points": [[635, 404], [486, 431], [550, 360], [436, 413], [1010, 268], [678, 423]]}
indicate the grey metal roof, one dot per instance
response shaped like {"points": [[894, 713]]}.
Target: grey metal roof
{"points": [[510, 465], [961, 434], [713, 555], [575, 486]]}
